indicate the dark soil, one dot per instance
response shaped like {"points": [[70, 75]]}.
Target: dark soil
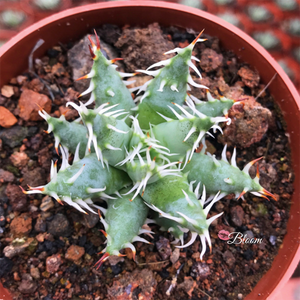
{"points": [[49, 250]]}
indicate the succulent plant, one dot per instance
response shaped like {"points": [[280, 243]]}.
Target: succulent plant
{"points": [[140, 158], [47, 4], [12, 18]]}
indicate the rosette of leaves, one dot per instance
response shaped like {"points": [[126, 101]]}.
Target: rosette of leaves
{"points": [[139, 155]]}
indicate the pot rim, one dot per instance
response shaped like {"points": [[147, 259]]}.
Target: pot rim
{"points": [[75, 12]]}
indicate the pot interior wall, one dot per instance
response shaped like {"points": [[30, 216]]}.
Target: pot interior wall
{"points": [[65, 27]]}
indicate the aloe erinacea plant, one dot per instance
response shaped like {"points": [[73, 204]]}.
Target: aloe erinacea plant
{"points": [[139, 155]]}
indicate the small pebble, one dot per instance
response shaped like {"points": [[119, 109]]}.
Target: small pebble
{"points": [[27, 285], [19, 159], [46, 204], [21, 225], [237, 215], [31, 102], [273, 239], [74, 253], [6, 176], [16, 198], [229, 258], [200, 270], [163, 247], [35, 273], [6, 266], [7, 119], [59, 226], [53, 262]]}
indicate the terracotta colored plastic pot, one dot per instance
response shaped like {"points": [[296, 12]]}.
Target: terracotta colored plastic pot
{"points": [[74, 23]]}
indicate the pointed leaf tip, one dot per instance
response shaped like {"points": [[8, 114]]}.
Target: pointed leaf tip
{"points": [[91, 41], [92, 52], [24, 192], [99, 263], [266, 193], [196, 39], [97, 40]]}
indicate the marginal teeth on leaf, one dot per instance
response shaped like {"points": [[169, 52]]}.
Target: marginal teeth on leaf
{"points": [[104, 108], [163, 214], [132, 189], [50, 128], [206, 234], [190, 202], [160, 63], [65, 158], [151, 73], [203, 243], [179, 117], [122, 74], [203, 197], [129, 82], [192, 130], [53, 172], [112, 113], [102, 209], [175, 50], [142, 231], [88, 201], [191, 241], [196, 100], [76, 155], [216, 162], [142, 87], [69, 201], [190, 220], [193, 83], [74, 177], [224, 158], [95, 190], [194, 68], [84, 205], [164, 117], [91, 134], [145, 95], [110, 147], [44, 115], [106, 226], [233, 158], [139, 239], [56, 141], [91, 100], [195, 58], [129, 245], [210, 220], [209, 206], [107, 196], [210, 98], [196, 144], [90, 89], [197, 190], [116, 129], [187, 114]]}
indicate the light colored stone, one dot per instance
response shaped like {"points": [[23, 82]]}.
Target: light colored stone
{"points": [[7, 91], [7, 119], [30, 103]]}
